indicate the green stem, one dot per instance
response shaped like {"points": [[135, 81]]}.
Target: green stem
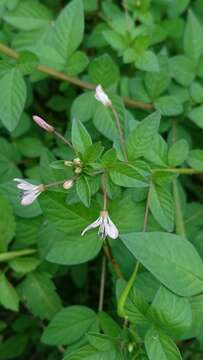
{"points": [[73, 80], [14, 254], [126, 291], [180, 226], [186, 171]]}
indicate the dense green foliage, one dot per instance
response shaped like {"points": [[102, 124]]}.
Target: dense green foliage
{"points": [[134, 148]]}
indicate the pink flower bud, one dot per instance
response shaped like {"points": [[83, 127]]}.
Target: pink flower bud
{"points": [[68, 184], [43, 124]]}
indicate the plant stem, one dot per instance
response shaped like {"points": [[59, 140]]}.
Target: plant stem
{"points": [[14, 254], [63, 139], [179, 221], [102, 283], [71, 79], [112, 260], [186, 171], [126, 291], [120, 132], [180, 226], [105, 192]]}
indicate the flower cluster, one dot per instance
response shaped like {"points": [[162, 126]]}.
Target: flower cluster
{"points": [[30, 192]]}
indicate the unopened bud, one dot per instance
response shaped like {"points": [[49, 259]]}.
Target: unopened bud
{"points": [[68, 163], [78, 170], [102, 97], [77, 162], [43, 124], [68, 184], [130, 347]]}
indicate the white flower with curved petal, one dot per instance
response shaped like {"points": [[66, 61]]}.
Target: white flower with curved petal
{"points": [[30, 191], [102, 97], [106, 226]]}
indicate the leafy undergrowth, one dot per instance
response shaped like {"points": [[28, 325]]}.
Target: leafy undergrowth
{"points": [[101, 161]]}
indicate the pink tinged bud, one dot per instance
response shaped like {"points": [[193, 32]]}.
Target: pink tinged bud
{"points": [[68, 184], [102, 97], [43, 124]]}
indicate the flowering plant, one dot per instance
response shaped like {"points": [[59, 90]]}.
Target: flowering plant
{"points": [[101, 165]]}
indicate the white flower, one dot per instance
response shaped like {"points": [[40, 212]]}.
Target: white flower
{"points": [[102, 97], [30, 191], [106, 226]]}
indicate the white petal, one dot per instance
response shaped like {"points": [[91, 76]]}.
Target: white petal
{"points": [[29, 197], [93, 225], [25, 185], [101, 96], [111, 229]]}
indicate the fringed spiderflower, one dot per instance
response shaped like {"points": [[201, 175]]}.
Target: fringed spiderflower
{"points": [[106, 226], [30, 192], [102, 97]]}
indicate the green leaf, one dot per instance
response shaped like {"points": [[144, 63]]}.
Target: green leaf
{"points": [[69, 325], [193, 38], [162, 206], [7, 223], [196, 115], [182, 69], [24, 264], [12, 99], [136, 307], [76, 63], [196, 92], [103, 70], [169, 105], [27, 62], [127, 175], [8, 295], [84, 106], [159, 346], [108, 325], [171, 312], [39, 293], [68, 32], [158, 154], [140, 139], [89, 352], [13, 347], [30, 147], [63, 249], [157, 82], [83, 190], [170, 258], [195, 159], [105, 123], [29, 15], [81, 139], [93, 153], [147, 61], [178, 153], [70, 219]]}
